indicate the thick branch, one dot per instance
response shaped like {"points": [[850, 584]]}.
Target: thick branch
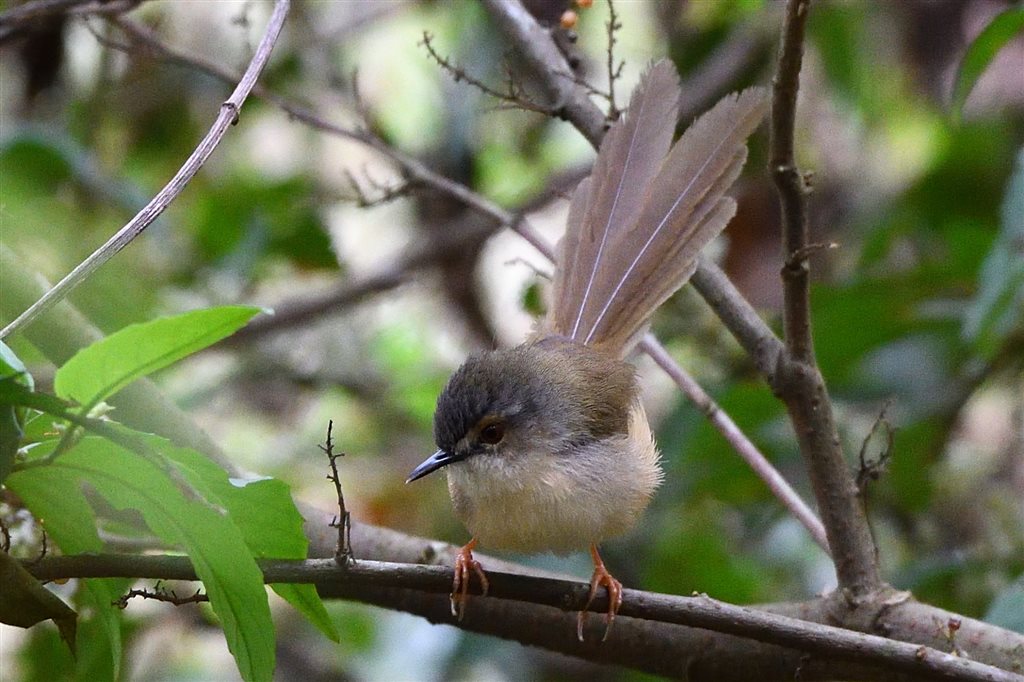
{"points": [[698, 611], [797, 380]]}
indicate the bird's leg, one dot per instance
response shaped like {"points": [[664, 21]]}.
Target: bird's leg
{"points": [[601, 577], [464, 563]]}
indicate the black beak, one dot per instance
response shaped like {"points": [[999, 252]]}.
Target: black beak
{"points": [[433, 463]]}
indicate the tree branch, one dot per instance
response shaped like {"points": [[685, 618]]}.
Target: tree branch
{"points": [[228, 116], [698, 611], [796, 269], [569, 100], [797, 380]]}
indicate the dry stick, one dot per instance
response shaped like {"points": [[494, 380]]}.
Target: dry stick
{"points": [[696, 611], [227, 116], [746, 449], [421, 173], [798, 382]]}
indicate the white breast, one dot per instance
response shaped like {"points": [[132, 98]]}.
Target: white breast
{"points": [[538, 501]]}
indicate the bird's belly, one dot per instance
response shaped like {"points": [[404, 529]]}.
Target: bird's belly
{"points": [[541, 502]]}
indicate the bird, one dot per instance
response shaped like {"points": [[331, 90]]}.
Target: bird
{"points": [[546, 445]]}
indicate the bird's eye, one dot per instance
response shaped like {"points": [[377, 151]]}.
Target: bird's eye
{"points": [[492, 433]]}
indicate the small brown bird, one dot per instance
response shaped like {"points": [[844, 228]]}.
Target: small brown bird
{"points": [[546, 445]]}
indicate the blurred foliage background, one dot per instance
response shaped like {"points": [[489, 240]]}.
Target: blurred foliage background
{"points": [[917, 302]]}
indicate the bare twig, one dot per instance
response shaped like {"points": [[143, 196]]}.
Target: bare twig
{"points": [[384, 193], [872, 470], [738, 440], [227, 116], [795, 273], [512, 97], [343, 522], [614, 71], [159, 593]]}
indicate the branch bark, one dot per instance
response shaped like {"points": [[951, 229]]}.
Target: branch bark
{"points": [[797, 379], [699, 611]]}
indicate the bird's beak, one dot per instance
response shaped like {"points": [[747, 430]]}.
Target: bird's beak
{"points": [[433, 463]]}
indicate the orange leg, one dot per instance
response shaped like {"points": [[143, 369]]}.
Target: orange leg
{"points": [[464, 563], [601, 577]]}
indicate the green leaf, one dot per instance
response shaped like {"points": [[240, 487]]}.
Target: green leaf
{"points": [[12, 418], [265, 514], [981, 52], [55, 498], [105, 367], [998, 308], [181, 517]]}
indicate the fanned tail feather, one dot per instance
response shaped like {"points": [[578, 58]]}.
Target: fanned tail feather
{"points": [[630, 157], [638, 224]]}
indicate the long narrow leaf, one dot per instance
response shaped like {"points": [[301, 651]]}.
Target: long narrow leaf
{"points": [[104, 368], [983, 50]]}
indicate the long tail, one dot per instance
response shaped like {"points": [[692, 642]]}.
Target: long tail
{"points": [[637, 224]]}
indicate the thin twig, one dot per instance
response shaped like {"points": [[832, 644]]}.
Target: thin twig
{"points": [[614, 72], [513, 97], [872, 470], [159, 593], [738, 440], [343, 551], [227, 116]]}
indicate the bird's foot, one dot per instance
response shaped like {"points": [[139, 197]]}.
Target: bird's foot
{"points": [[601, 577], [465, 567]]}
